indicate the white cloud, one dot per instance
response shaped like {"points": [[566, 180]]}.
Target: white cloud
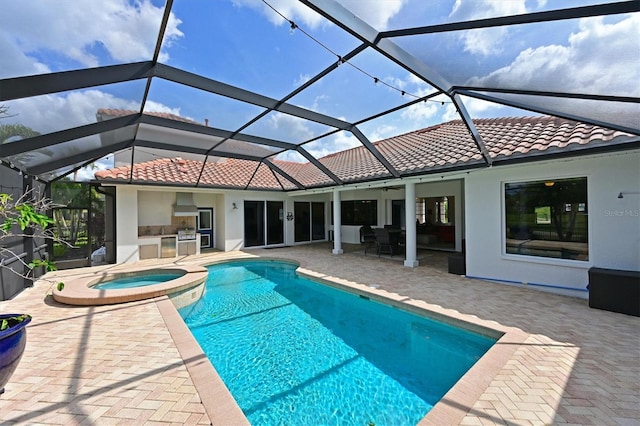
{"points": [[126, 30], [291, 9], [51, 113], [422, 111], [376, 14], [290, 127], [302, 79], [600, 58], [485, 41], [383, 131], [152, 106]]}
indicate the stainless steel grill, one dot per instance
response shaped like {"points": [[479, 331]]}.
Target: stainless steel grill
{"points": [[186, 235]]}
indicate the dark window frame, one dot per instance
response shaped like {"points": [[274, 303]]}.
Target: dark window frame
{"points": [[547, 219], [357, 212]]}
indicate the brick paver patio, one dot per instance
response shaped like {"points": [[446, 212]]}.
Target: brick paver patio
{"points": [[121, 364]]}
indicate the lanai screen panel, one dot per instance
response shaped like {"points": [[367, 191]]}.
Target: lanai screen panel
{"points": [[363, 86], [250, 45], [71, 35], [276, 55], [287, 128], [589, 56], [74, 152], [167, 98], [56, 112], [625, 115]]}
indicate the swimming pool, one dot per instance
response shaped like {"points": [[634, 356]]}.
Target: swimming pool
{"points": [[139, 280], [293, 351]]}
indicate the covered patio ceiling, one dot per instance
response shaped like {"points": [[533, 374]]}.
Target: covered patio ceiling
{"points": [[284, 80]]}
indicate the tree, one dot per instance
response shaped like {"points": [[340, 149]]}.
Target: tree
{"points": [[24, 218], [9, 131]]}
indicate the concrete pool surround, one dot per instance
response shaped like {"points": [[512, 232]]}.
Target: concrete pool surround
{"points": [[187, 289]]}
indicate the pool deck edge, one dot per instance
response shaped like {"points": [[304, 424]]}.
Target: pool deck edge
{"points": [[218, 402]]}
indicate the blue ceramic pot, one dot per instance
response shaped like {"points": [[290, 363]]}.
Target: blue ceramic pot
{"points": [[12, 343]]}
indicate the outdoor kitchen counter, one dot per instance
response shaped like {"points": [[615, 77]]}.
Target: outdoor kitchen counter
{"points": [[150, 246]]}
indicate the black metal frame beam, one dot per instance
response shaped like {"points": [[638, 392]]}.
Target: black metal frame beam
{"points": [[466, 90], [44, 84], [527, 18], [284, 174], [475, 135], [83, 157], [193, 150], [345, 19], [549, 111], [313, 160], [50, 139], [381, 158], [213, 131], [212, 86]]}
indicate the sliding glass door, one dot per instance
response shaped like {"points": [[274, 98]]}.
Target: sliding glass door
{"points": [[275, 222], [253, 223], [263, 223], [309, 221]]}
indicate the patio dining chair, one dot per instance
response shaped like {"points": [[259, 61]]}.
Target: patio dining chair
{"points": [[384, 241], [367, 237]]}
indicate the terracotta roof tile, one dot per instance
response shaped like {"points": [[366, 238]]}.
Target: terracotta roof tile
{"points": [[434, 148]]}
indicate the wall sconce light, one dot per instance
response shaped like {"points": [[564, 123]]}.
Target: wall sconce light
{"points": [[289, 216], [234, 206], [549, 184], [622, 194]]}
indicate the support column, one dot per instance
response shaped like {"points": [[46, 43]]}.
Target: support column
{"points": [[337, 213], [410, 225]]}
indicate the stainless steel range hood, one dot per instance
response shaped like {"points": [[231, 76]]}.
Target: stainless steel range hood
{"points": [[184, 205]]}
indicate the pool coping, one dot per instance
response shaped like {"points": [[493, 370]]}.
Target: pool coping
{"points": [[222, 408], [79, 291]]}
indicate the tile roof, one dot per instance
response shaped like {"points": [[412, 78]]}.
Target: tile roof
{"points": [[437, 148]]}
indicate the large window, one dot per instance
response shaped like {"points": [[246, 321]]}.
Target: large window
{"points": [[358, 212], [547, 218]]}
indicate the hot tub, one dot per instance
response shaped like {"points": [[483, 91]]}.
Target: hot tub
{"points": [[175, 281]]}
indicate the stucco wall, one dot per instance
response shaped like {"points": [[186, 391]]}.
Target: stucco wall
{"points": [[127, 224], [155, 207], [614, 225]]}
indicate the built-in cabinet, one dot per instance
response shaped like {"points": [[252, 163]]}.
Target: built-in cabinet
{"points": [[186, 247], [154, 247]]}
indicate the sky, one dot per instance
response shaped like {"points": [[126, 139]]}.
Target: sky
{"points": [[250, 44]]}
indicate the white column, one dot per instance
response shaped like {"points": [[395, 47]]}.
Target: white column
{"points": [[127, 224], [337, 224], [410, 225]]}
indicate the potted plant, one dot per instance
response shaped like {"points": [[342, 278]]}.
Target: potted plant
{"points": [[21, 218], [13, 339]]}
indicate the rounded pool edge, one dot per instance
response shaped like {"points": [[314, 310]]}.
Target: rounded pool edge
{"points": [[79, 291], [296, 263]]}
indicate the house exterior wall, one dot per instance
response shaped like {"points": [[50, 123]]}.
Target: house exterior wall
{"points": [[154, 207], [614, 225], [127, 224]]}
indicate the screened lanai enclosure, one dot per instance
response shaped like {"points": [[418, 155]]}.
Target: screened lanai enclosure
{"points": [[259, 81], [278, 88]]}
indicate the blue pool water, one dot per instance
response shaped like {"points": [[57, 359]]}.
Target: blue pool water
{"points": [[136, 281], [294, 352]]}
